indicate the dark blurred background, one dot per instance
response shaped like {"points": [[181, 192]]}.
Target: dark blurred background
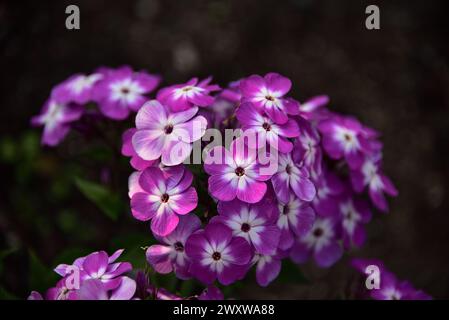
{"points": [[395, 79]]}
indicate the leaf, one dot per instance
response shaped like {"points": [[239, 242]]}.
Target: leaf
{"points": [[41, 277], [6, 295], [105, 199]]}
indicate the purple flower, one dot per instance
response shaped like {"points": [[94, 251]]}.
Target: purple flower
{"points": [[370, 175], [312, 109], [58, 292], [161, 133], [181, 97], [122, 90], [164, 196], [170, 255], [268, 267], [343, 137], [307, 144], [235, 173], [254, 222], [56, 118], [267, 94], [320, 242], [354, 214], [216, 254], [391, 288], [329, 189], [292, 177], [265, 129], [98, 265], [128, 150], [94, 289], [78, 88], [295, 219]]}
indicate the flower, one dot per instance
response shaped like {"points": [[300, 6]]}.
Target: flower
{"points": [[295, 219], [344, 137], [254, 222], [354, 214], [164, 196], [370, 175], [56, 118], [217, 254], [292, 176], [307, 144], [94, 289], [78, 88], [320, 242], [312, 109], [58, 292], [128, 150], [98, 265], [122, 90], [181, 97], [267, 94], [170, 255], [268, 267], [391, 288], [161, 133], [265, 129], [329, 189], [235, 173]]}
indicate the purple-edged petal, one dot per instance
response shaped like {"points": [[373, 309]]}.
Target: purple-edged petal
{"points": [[96, 264], [185, 202], [328, 255]]}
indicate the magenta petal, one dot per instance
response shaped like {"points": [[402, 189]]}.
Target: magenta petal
{"points": [[163, 223], [281, 188], [303, 188], [218, 233], [125, 291], [240, 251], [95, 264], [195, 246], [286, 239], [232, 273], [268, 271], [269, 240], [142, 207], [185, 202], [277, 115], [159, 257], [92, 289], [253, 192], [202, 273], [151, 115], [222, 188], [328, 255], [299, 252], [148, 144], [277, 83]]}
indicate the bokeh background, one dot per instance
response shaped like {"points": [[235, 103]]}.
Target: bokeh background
{"points": [[395, 79]]}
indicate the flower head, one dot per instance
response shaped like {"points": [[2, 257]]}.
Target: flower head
{"points": [[343, 137], [163, 197], [78, 88], [265, 129], [166, 135], [122, 90], [267, 94], [235, 173], [354, 214], [217, 254], [292, 177], [254, 222], [295, 219], [56, 117], [320, 243], [181, 97], [170, 255]]}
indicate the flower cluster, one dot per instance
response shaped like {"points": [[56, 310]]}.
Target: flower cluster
{"points": [[289, 184], [98, 276], [389, 286], [116, 91]]}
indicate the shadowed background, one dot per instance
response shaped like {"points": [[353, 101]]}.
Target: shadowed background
{"points": [[395, 80]]}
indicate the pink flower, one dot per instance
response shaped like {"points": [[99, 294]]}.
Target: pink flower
{"points": [[267, 94], [181, 97], [166, 135], [235, 173], [164, 196]]}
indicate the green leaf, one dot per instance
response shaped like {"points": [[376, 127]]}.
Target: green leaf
{"points": [[41, 277], [105, 199]]}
